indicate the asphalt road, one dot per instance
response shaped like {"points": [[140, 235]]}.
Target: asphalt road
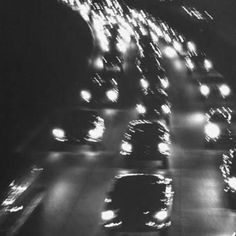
{"points": [[73, 183]]}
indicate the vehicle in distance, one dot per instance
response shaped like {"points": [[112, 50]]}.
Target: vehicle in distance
{"points": [[213, 87], [220, 127], [101, 88], [146, 141], [154, 105], [78, 127], [138, 203]]}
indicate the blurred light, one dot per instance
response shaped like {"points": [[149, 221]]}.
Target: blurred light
{"points": [[205, 90], [112, 225], [191, 46], [197, 117], [164, 148], [85, 95], [96, 133], [126, 147], [144, 83], [212, 130], [141, 109], [232, 183], [108, 215], [178, 46], [225, 90], [98, 63], [170, 52], [165, 83], [208, 64], [58, 133], [112, 95], [165, 108], [190, 64], [161, 215]]}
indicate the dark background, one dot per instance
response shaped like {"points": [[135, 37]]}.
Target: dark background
{"points": [[44, 47]]}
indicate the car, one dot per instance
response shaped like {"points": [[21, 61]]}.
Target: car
{"points": [[213, 87], [228, 170], [75, 126], [146, 141], [198, 63], [101, 88], [154, 105], [128, 209], [154, 81], [220, 127]]}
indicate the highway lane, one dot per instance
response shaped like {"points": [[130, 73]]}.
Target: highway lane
{"points": [[76, 181]]}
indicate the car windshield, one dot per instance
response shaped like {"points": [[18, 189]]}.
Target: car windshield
{"points": [[77, 119], [147, 132], [130, 191]]}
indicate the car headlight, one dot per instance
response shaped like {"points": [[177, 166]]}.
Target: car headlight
{"points": [[165, 83], [112, 95], [126, 147], [232, 183], [224, 90], [205, 90], [178, 46], [144, 83], [165, 109], [141, 109], [96, 133], [85, 95], [212, 130], [161, 215], [208, 64], [164, 148], [191, 46], [190, 64], [108, 215], [58, 134], [98, 63]]}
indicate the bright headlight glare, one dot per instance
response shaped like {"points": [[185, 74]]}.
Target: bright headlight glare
{"points": [[161, 215], [108, 215], [165, 109], [212, 130], [164, 148], [170, 52], [165, 83], [232, 183], [98, 63], [126, 147], [224, 90], [205, 90], [96, 133], [177, 46], [141, 109], [144, 83], [58, 133], [190, 64], [112, 95], [85, 95], [208, 64], [191, 46]]}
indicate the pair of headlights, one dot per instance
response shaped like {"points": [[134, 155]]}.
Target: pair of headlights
{"points": [[111, 95], [141, 109], [111, 214], [224, 90], [93, 134], [126, 148]]}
